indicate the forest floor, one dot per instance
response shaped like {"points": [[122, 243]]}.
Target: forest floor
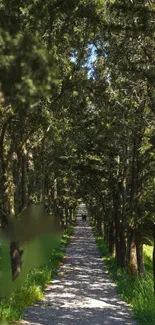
{"points": [[82, 293]]}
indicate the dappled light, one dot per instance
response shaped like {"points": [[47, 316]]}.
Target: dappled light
{"points": [[82, 293], [77, 148]]}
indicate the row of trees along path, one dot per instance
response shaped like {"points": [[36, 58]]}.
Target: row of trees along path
{"points": [[82, 293], [77, 111]]}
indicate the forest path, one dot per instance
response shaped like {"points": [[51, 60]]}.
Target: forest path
{"points": [[82, 293]]}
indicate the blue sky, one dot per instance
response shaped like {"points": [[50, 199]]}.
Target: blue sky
{"points": [[91, 58]]}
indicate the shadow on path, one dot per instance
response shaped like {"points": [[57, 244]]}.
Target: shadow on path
{"points": [[82, 293]]}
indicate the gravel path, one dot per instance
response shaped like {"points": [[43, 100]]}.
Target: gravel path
{"points": [[83, 293]]}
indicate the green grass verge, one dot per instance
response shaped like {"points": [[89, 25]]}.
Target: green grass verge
{"points": [[138, 292], [12, 308]]}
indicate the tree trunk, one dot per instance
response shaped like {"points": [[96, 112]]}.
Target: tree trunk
{"points": [[62, 218], [8, 185], [131, 253], [139, 254], [122, 248], [17, 180], [42, 176], [111, 239], [16, 259], [106, 232], [117, 237], [70, 216], [133, 259], [99, 224], [24, 181], [66, 216]]}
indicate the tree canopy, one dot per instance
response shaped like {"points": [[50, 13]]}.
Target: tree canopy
{"points": [[77, 115]]}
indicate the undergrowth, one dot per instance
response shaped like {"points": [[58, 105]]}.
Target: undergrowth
{"points": [[137, 291], [12, 308]]}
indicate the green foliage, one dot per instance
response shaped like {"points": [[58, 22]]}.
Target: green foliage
{"points": [[12, 308], [148, 253], [77, 93], [138, 291]]}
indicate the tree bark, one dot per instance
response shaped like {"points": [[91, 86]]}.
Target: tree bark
{"points": [[139, 254], [131, 253], [99, 224], [66, 216], [16, 259], [8, 185], [117, 237], [24, 181], [106, 232], [122, 247], [111, 238]]}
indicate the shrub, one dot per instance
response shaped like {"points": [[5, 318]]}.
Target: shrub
{"points": [[12, 308], [138, 291]]}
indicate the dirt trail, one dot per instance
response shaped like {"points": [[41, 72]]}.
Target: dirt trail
{"points": [[83, 293]]}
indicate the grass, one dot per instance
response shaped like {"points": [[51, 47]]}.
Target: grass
{"points": [[138, 291], [12, 308]]}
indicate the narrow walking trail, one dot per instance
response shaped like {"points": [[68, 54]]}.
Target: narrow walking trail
{"points": [[82, 293]]}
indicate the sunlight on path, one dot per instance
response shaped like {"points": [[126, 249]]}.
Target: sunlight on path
{"points": [[82, 293]]}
